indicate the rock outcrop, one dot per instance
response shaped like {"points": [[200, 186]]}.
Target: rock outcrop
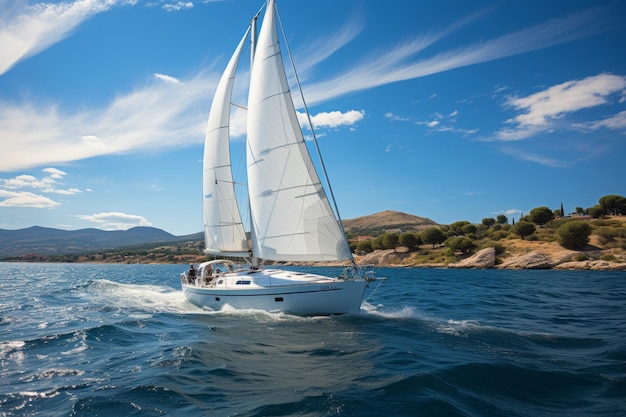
{"points": [[485, 258], [529, 260], [593, 266]]}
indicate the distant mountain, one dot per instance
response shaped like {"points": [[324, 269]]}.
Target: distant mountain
{"points": [[45, 241], [386, 221], [48, 241]]}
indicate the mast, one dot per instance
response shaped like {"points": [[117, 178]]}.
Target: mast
{"points": [[254, 260], [253, 36]]}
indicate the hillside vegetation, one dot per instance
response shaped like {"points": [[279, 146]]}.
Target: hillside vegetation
{"points": [[385, 222], [580, 236], [392, 238]]}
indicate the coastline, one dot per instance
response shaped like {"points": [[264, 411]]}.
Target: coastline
{"points": [[517, 254]]}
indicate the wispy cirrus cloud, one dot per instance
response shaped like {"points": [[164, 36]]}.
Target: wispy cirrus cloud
{"points": [[26, 31], [403, 62], [615, 122], [171, 107], [541, 111], [534, 157], [324, 46], [146, 118]]}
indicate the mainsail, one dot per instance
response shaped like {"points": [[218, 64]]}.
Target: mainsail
{"points": [[223, 229], [292, 219]]}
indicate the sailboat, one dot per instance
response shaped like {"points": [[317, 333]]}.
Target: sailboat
{"points": [[291, 217]]}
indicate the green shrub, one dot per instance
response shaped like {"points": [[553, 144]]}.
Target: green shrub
{"points": [[574, 235], [581, 257], [448, 252], [609, 257], [607, 233], [499, 234], [459, 243], [499, 247]]}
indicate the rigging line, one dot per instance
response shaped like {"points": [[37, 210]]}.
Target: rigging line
{"points": [[308, 116], [374, 290]]}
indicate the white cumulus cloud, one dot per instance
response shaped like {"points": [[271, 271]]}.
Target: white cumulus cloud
{"points": [[24, 190], [25, 199], [116, 220], [177, 6], [333, 119]]}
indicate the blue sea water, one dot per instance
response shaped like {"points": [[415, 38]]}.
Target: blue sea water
{"points": [[120, 340]]}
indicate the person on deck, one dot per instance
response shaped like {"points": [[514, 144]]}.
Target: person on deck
{"points": [[191, 275]]}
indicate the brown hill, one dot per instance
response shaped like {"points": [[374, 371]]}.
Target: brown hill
{"points": [[386, 221]]}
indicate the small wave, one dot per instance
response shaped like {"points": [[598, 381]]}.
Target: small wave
{"points": [[262, 315], [53, 373], [458, 327], [469, 327], [440, 325], [147, 298], [12, 350], [405, 312], [81, 339], [44, 394], [7, 346]]}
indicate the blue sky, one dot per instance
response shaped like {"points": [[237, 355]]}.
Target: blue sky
{"points": [[451, 110]]}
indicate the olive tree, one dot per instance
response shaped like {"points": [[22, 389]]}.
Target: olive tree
{"points": [[613, 204], [390, 240], [523, 229], [488, 221], [377, 243], [433, 235], [410, 240], [364, 246], [456, 228], [595, 211], [469, 229], [541, 215]]}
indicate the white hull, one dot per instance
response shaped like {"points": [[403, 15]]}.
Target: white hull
{"points": [[278, 291]]}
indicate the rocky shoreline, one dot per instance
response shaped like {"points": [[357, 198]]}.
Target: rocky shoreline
{"points": [[523, 255], [486, 258]]}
